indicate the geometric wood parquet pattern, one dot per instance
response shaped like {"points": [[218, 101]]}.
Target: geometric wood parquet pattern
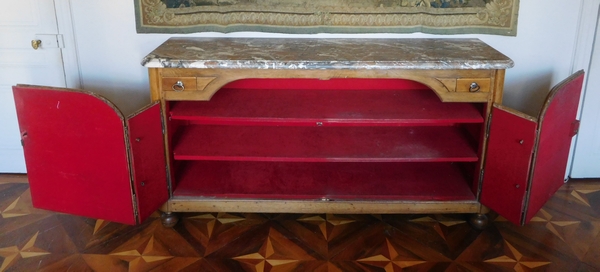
{"points": [[563, 236]]}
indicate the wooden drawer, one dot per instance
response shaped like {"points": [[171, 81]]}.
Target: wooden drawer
{"points": [[450, 85], [473, 85], [179, 84], [188, 83]]}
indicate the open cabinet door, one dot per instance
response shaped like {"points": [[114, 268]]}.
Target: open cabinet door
{"points": [[148, 160], [557, 126], [76, 152], [507, 164], [527, 157]]}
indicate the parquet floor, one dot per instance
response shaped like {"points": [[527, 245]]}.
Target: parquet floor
{"points": [[564, 236]]}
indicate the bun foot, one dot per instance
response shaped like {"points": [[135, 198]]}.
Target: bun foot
{"points": [[479, 221], [169, 219]]}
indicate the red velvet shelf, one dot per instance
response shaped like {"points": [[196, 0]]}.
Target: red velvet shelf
{"points": [[356, 181], [387, 107], [322, 144]]}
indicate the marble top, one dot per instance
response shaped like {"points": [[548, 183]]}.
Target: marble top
{"points": [[301, 53]]}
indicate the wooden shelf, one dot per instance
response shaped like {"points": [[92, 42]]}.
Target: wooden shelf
{"points": [[329, 107], [332, 181], [324, 144]]}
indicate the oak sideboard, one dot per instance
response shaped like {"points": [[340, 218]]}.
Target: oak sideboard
{"points": [[302, 126]]}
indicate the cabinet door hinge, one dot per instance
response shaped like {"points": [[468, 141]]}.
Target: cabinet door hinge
{"points": [[575, 127], [488, 127], [168, 179], [135, 207], [480, 181], [481, 175], [23, 136]]}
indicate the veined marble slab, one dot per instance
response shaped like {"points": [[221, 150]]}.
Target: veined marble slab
{"points": [[298, 53]]}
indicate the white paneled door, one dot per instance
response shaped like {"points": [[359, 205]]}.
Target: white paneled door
{"points": [[586, 161], [22, 22]]}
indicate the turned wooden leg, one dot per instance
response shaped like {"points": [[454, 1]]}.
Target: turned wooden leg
{"points": [[479, 221], [169, 219]]}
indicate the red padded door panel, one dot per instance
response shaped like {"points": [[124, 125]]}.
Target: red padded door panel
{"points": [[148, 160], [555, 133], [509, 153], [75, 153]]}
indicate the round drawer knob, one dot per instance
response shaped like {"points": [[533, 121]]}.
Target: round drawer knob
{"points": [[178, 86], [474, 87]]}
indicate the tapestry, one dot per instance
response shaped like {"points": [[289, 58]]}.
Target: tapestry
{"points": [[497, 17]]}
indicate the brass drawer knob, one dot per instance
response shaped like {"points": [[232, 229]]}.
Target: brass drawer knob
{"points": [[178, 86], [474, 87]]}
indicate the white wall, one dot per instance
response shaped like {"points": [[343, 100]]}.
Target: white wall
{"points": [[110, 50]]}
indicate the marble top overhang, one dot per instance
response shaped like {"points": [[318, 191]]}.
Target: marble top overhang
{"points": [[303, 53]]}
